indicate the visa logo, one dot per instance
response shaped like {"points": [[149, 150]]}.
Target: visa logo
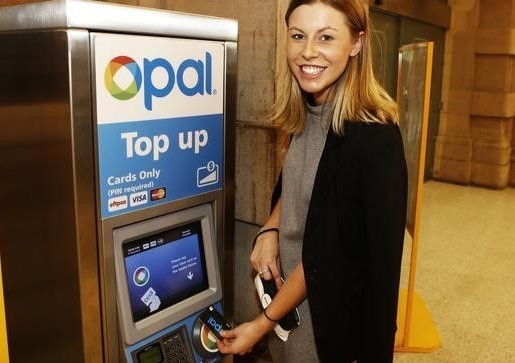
{"points": [[191, 76], [139, 198]]}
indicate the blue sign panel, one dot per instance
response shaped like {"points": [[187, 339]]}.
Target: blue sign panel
{"points": [[159, 110], [146, 163]]}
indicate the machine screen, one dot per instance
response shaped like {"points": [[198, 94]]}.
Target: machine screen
{"points": [[164, 269]]}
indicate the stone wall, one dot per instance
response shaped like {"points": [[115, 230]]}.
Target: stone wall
{"points": [[493, 100], [475, 138], [453, 149]]}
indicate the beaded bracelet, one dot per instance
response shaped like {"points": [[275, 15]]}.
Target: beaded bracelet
{"points": [[269, 318], [263, 231]]}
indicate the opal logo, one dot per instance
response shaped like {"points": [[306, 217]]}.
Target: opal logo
{"points": [[211, 321], [158, 78], [116, 65], [141, 276]]}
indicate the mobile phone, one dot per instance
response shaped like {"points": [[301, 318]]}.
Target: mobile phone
{"points": [[214, 321], [267, 289]]}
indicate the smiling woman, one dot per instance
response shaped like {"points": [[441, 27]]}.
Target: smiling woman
{"points": [[319, 46], [337, 226]]}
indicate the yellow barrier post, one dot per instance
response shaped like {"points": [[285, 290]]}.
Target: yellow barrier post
{"points": [[416, 330], [4, 352]]}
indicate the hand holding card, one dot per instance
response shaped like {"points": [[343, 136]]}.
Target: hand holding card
{"points": [[214, 321]]}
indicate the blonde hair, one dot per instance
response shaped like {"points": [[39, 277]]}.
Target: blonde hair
{"points": [[355, 97]]}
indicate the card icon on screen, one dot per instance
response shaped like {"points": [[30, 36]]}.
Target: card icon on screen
{"points": [[151, 299]]}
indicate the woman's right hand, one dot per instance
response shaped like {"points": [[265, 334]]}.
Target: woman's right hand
{"points": [[242, 339], [265, 257]]}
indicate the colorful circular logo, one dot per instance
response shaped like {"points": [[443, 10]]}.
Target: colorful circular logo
{"points": [[112, 87], [141, 276]]}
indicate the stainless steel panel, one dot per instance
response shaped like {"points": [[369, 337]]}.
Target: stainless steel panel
{"points": [[47, 224], [227, 246], [85, 206], [96, 15]]}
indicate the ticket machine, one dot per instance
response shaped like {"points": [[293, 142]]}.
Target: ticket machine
{"points": [[118, 121], [166, 275]]}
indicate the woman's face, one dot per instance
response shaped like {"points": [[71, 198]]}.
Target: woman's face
{"points": [[318, 47]]}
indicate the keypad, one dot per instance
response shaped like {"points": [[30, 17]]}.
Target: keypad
{"points": [[175, 349]]}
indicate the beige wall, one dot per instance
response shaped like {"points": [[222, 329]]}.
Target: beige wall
{"points": [[453, 144], [493, 97], [475, 139]]}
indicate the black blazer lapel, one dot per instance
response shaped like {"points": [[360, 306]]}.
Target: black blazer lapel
{"points": [[327, 169]]}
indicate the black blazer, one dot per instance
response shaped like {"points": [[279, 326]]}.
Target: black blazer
{"points": [[353, 243]]}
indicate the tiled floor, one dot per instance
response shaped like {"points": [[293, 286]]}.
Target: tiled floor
{"points": [[465, 274]]}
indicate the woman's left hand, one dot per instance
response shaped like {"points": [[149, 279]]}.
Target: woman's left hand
{"points": [[242, 339]]}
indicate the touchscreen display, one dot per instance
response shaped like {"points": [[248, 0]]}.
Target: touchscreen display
{"points": [[164, 269]]}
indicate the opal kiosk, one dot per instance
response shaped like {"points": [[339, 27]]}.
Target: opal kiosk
{"points": [[119, 121]]}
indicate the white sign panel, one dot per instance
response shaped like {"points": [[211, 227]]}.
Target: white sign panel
{"points": [[140, 78]]}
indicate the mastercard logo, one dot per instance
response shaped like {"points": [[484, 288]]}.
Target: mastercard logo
{"points": [[119, 64], [156, 194]]}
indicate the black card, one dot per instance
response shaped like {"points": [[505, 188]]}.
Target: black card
{"points": [[214, 321]]}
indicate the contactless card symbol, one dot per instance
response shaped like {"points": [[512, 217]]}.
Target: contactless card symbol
{"points": [[141, 276], [207, 175]]}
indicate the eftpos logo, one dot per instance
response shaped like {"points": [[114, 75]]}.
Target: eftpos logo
{"points": [[192, 77]]}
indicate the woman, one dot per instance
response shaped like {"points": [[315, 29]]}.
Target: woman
{"points": [[337, 228]]}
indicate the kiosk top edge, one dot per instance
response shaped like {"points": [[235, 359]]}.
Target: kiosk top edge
{"points": [[101, 16]]}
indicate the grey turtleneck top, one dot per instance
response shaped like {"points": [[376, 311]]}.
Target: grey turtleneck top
{"points": [[298, 176]]}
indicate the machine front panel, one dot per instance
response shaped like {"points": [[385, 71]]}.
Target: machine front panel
{"points": [[186, 342], [159, 105], [159, 108]]}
